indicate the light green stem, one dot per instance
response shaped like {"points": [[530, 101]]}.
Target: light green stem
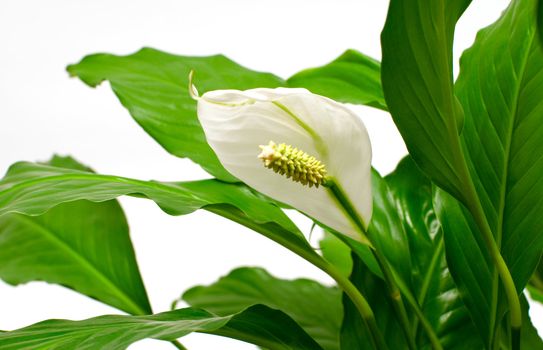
{"points": [[178, 345], [474, 206], [343, 282], [394, 293]]}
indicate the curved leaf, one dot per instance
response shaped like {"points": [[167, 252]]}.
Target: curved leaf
{"points": [[258, 325], [32, 189], [417, 82], [350, 78], [501, 89], [153, 86], [82, 245], [316, 308]]}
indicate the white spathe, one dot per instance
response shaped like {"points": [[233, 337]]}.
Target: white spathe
{"points": [[236, 123]]}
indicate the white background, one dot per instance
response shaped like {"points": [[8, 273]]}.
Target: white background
{"points": [[43, 112]]}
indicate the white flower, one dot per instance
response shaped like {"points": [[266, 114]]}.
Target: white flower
{"points": [[247, 128]]}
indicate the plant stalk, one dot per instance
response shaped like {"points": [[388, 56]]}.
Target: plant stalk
{"points": [[343, 282], [178, 345], [394, 292], [476, 209]]}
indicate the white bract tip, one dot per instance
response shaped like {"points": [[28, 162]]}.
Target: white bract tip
{"points": [[301, 137]]}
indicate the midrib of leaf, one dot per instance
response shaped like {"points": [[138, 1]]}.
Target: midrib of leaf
{"points": [[48, 234], [513, 114], [117, 179], [509, 134]]}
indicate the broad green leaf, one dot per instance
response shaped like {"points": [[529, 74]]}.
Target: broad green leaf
{"points": [[500, 87], [258, 325], [316, 308], [387, 232], [418, 85], [350, 78], [432, 284], [81, 245], [153, 86], [337, 253], [32, 189]]}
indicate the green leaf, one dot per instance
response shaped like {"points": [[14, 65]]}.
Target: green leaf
{"points": [[153, 86], [32, 189], [386, 231], [258, 325], [418, 87], [500, 86], [316, 308], [432, 284], [337, 253], [350, 78], [81, 245]]}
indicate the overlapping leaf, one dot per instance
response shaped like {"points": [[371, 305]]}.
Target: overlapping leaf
{"points": [[153, 86], [259, 325], [316, 308], [32, 189], [82, 245], [501, 88], [350, 78]]}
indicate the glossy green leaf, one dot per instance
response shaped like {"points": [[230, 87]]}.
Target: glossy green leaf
{"points": [[350, 78], [153, 86], [418, 87], [387, 232], [81, 245], [32, 189], [258, 325], [501, 88], [432, 284], [337, 253], [316, 308]]}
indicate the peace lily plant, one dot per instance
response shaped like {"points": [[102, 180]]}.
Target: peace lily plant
{"points": [[437, 254]]}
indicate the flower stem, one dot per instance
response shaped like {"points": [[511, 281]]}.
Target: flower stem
{"points": [[178, 345], [394, 292], [343, 282]]}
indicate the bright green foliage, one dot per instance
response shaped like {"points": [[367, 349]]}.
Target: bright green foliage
{"points": [[316, 308], [20, 191], [476, 158], [500, 88], [351, 78], [153, 86], [82, 245], [259, 325], [431, 282], [417, 81]]}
